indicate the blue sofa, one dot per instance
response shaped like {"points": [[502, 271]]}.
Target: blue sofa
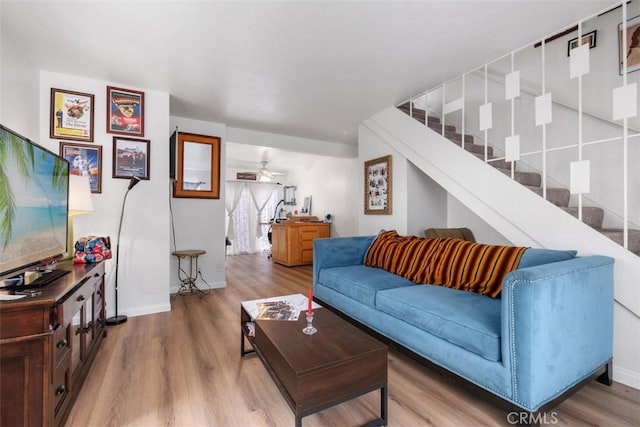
{"points": [[550, 331]]}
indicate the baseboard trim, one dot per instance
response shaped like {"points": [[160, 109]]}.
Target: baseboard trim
{"points": [[142, 311], [213, 285], [626, 376]]}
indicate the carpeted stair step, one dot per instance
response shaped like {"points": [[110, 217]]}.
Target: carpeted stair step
{"points": [[412, 111], [416, 113], [500, 164], [433, 120], [557, 196], [591, 215], [476, 149], [438, 128], [617, 235], [457, 137], [530, 179]]}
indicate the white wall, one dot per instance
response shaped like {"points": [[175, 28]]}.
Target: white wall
{"points": [[458, 215], [330, 183], [419, 202], [143, 279], [19, 92], [426, 202], [371, 146], [200, 223]]}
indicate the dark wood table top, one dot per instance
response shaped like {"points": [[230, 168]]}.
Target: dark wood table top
{"points": [[335, 342]]}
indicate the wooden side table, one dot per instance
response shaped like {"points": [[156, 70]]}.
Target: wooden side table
{"points": [[188, 278]]}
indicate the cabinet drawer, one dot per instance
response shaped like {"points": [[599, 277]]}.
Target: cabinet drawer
{"points": [[79, 297], [310, 233], [61, 385], [61, 342], [307, 256]]}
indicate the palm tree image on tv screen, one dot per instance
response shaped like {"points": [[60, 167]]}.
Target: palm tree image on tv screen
{"points": [[33, 202]]}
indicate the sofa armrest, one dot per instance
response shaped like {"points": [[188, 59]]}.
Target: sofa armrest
{"points": [[557, 326], [339, 252]]}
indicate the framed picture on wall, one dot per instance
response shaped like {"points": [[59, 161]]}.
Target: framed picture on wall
{"points": [[71, 115], [125, 111], [589, 38], [377, 186], [84, 160], [130, 158], [633, 45]]}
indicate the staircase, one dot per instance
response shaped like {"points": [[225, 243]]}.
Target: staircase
{"points": [[591, 215]]}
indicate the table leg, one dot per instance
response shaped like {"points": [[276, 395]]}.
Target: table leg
{"points": [[383, 404], [188, 282]]}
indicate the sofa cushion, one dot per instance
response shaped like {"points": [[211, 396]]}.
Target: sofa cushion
{"points": [[536, 256], [360, 282], [469, 320]]}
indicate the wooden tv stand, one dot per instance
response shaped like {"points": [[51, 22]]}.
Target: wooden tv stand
{"points": [[47, 345]]}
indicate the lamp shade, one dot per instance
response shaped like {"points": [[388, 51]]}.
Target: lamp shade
{"points": [[79, 195]]}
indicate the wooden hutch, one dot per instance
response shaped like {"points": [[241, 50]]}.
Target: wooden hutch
{"points": [[292, 240]]}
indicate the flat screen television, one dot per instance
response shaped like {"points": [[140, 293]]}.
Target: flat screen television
{"points": [[34, 193]]}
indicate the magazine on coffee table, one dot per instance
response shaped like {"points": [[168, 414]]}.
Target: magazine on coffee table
{"points": [[276, 310], [286, 307]]}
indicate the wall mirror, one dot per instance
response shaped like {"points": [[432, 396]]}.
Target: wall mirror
{"points": [[198, 166]]}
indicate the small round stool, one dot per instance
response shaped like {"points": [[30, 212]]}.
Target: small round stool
{"points": [[188, 279]]}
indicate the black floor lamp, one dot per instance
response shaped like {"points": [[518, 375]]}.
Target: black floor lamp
{"points": [[116, 320]]}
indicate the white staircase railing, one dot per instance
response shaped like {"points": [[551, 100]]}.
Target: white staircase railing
{"points": [[573, 116]]}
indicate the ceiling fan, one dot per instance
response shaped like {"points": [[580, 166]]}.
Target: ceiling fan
{"points": [[266, 175]]}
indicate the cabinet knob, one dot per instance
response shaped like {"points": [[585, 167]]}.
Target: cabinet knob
{"points": [[62, 343], [61, 389], [80, 298]]}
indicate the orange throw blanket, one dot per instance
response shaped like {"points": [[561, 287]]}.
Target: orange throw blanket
{"points": [[453, 263]]}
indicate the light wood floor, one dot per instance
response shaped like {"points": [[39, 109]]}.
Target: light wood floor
{"points": [[183, 368]]}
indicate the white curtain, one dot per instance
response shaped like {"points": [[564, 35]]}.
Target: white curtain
{"points": [[244, 223], [260, 194], [232, 198]]}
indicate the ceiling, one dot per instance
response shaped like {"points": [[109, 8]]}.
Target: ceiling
{"points": [[311, 69]]}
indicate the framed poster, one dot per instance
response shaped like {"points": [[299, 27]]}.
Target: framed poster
{"points": [[633, 45], [377, 186], [84, 160], [71, 115], [125, 111], [130, 158], [589, 38]]}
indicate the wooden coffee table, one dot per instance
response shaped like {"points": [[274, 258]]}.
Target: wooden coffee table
{"points": [[315, 372]]}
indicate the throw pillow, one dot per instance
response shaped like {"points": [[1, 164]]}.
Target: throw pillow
{"points": [[384, 249], [475, 267]]}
